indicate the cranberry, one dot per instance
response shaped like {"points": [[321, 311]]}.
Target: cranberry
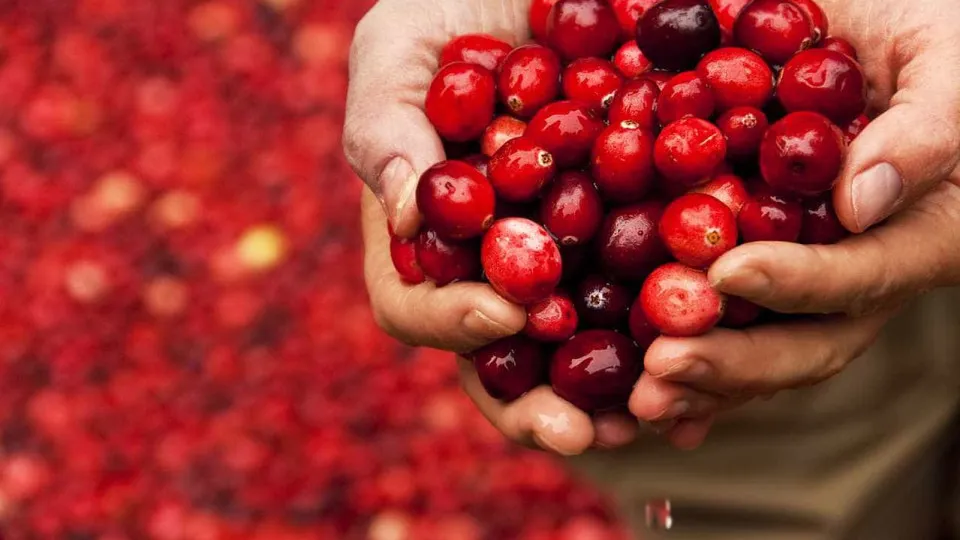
{"points": [[820, 222], [629, 243], [602, 303], [461, 101], [552, 320], [697, 229], [823, 81], [660, 78], [521, 260], [727, 12], [446, 261], [679, 301], [567, 130], [743, 128], [685, 95], [592, 81], [510, 367], [675, 34], [840, 45], [636, 102], [520, 169], [643, 333], [802, 153], [852, 130], [540, 17], [622, 162], [629, 12], [479, 162], [501, 130], [571, 209], [817, 18], [582, 28], [456, 200], [770, 218], [576, 262], [403, 252], [776, 29], [728, 189], [740, 313], [479, 49], [737, 77], [630, 61], [689, 150], [596, 370], [529, 79]]}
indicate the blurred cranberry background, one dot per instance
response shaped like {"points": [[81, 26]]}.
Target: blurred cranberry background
{"points": [[186, 350]]}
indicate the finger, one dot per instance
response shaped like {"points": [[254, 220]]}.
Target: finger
{"points": [[689, 434], [540, 418], [657, 401], [460, 317]]}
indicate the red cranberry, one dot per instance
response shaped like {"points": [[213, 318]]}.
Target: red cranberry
{"points": [[445, 261], [461, 101], [776, 29], [679, 301], [479, 162], [602, 303], [403, 252], [660, 78], [520, 169], [510, 367], [552, 320], [629, 243], [630, 61], [818, 18], [727, 12], [636, 102], [689, 150], [539, 18], [840, 45], [675, 34], [622, 162], [685, 95], [697, 229], [852, 130], [592, 81], [728, 189], [820, 222], [738, 78], [596, 370], [571, 209], [740, 313], [567, 130], [521, 260], [529, 79], [743, 128], [802, 153], [629, 12], [823, 81], [582, 28], [456, 200], [643, 333], [770, 218], [501, 130], [479, 49]]}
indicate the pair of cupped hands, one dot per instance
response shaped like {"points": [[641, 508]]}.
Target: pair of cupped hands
{"points": [[900, 187]]}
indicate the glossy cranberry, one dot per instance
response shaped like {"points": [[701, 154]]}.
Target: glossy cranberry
{"points": [[510, 367], [539, 18], [596, 370], [552, 320], [629, 12], [853, 130], [446, 261], [820, 222], [840, 45], [728, 189], [660, 78], [802, 154], [737, 77], [529, 79], [740, 313], [636, 102], [697, 229], [583, 28], [630, 61], [770, 218], [592, 81], [622, 162], [823, 81], [520, 169], [642, 332], [403, 253], [743, 128], [675, 34], [456, 200], [480, 49], [461, 101], [685, 95], [567, 130], [602, 303], [479, 162], [679, 301], [727, 12], [521, 260], [818, 18], [776, 29], [629, 243], [501, 130], [689, 150], [572, 209]]}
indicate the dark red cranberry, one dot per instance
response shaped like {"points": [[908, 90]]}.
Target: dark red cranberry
{"points": [[403, 253], [539, 18], [737, 77], [679, 301], [743, 127], [622, 162], [552, 320], [689, 150], [840, 45], [520, 169], [802, 154], [776, 29], [529, 79], [592, 81], [675, 34], [697, 229], [818, 18], [823, 81], [510, 367], [727, 12], [501, 130], [853, 130], [660, 78], [479, 162], [583, 28], [480, 49], [577, 261], [446, 261], [820, 222], [740, 313], [629, 12], [636, 102], [567, 130], [685, 95], [461, 101], [602, 303], [630, 61], [596, 370], [456, 200], [728, 189], [571, 209], [629, 243], [770, 218], [643, 333], [521, 260]]}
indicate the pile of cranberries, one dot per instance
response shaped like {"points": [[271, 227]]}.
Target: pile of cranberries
{"points": [[595, 174]]}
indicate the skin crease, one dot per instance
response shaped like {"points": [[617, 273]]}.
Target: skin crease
{"points": [[911, 56]]}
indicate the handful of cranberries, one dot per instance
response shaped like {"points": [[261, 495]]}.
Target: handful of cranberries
{"points": [[600, 171]]}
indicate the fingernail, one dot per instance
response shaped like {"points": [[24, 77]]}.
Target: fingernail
{"points": [[676, 410], [696, 371], [398, 184], [739, 281], [479, 324], [874, 194]]}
